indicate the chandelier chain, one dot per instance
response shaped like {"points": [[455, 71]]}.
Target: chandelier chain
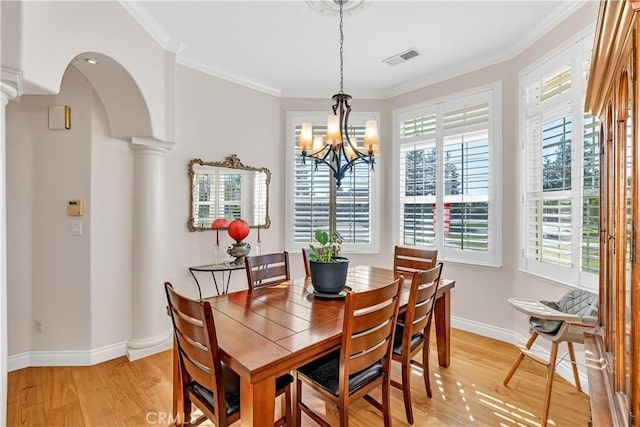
{"points": [[341, 49]]}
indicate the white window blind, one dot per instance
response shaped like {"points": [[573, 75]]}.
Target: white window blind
{"points": [[448, 169], [314, 198], [212, 189], [561, 170]]}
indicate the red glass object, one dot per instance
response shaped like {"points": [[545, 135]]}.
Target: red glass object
{"points": [[220, 223], [238, 229]]}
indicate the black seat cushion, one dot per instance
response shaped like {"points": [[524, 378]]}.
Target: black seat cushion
{"points": [[325, 372], [232, 389], [397, 340]]}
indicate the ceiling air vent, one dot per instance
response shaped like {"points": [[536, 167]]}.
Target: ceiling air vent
{"points": [[402, 57]]}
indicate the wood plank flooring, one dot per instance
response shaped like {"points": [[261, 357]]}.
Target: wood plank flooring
{"points": [[468, 393]]}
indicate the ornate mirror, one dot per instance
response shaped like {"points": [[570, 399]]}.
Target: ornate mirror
{"points": [[228, 190]]}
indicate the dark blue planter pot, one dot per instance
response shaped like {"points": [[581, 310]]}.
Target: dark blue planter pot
{"points": [[329, 277]]}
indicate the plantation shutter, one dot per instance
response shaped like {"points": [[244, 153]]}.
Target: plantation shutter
{"points": [[466, 178], [561, 194], [418, 180], [591, 196], [314, 189], [223, 190], [446, 178]]}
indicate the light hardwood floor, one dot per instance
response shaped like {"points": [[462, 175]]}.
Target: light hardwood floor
{"points": [[468, 393]]}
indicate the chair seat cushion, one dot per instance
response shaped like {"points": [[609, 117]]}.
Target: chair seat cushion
{"points": [[325, 372], [232, 389], [397, 340]]}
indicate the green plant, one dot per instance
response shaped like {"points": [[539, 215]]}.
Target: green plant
{"points": [[330, 246]]}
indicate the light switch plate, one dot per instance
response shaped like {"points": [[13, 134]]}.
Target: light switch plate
{"points": [[76, 228]]}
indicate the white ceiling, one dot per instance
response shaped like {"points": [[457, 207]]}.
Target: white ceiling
{"points": [[287, 49]]}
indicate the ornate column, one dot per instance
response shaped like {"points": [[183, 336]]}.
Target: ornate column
{"points": [[151, 331], [9, 89]]}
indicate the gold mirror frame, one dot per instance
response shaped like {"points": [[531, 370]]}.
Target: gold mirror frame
{"points": [[230, 162]]}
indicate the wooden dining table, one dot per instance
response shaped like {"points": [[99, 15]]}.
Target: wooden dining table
{"points": [[274, 330]]}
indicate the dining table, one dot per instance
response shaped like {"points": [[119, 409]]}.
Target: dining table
{"points": [[273, 330]]}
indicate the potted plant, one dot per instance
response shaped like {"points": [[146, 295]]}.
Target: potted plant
{"points": [[328, 269]]}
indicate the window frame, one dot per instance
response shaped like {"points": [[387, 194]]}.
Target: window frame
{"points": [[575, 52], [492, 94], [294, 118]]}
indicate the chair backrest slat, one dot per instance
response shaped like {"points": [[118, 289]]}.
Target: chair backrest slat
{"points": [[422, 296], [267, 270], [369, 323], [409, 260]]}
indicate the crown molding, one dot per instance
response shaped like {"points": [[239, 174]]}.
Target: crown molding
{"points": [[143, 17], [562, 12], [225, 75]]}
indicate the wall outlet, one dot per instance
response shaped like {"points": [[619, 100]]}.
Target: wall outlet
{"points": [[38, 325]]}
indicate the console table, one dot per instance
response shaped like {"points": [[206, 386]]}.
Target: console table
{"points": [[214, 268]]}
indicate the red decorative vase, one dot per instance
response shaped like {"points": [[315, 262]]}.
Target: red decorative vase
{"points": [[238, 229]]}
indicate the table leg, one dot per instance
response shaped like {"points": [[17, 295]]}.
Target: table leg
{"points": [[442, 312], [226, 289], [178, 409], [197, 283], [215, 282], [257, 402]]}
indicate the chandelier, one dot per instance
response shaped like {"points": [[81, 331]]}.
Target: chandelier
{"points": [[338, 149]]}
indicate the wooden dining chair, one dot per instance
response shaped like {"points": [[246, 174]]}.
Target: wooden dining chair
{"points": [[408, 260], [364, 359], [412, 335], [267, 270], [305, 259], [206, 382]]}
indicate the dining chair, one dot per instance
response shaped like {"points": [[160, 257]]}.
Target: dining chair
{"points": [[267, 270], [305, 259], [364, 359], [206, 382], [408, 260], [412, 335]]}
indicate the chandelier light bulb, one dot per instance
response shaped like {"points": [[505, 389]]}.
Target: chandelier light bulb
{"points": [[334, 136], [318, 143], [306, 136]]}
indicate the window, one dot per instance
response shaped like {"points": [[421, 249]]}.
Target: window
{"points": [[561, 174], [315, 203], [448, 171], [215, 189]]}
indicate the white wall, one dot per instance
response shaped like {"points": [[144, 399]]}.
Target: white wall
{"points": [[57, 270], [216, 118], [111, 233], [80, 286]]}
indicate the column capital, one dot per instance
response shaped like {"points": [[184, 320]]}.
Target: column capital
{"points": [[10, 84], [150, 145]]}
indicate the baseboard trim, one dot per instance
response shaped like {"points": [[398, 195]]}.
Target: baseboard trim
{"points": [[66, 358], [563, 368], [139, 353], [102, 354]]}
